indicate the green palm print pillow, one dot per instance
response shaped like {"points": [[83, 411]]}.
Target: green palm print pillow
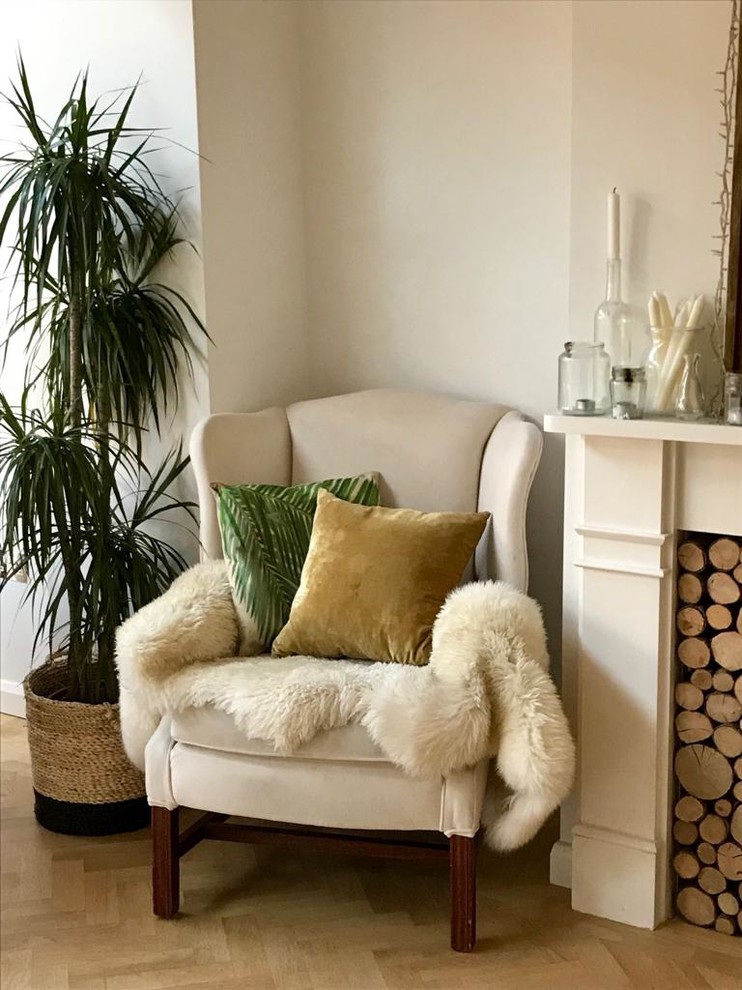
{"points": [[265, 538]]}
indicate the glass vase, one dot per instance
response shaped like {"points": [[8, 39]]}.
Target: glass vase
{"points": [[690, 403]]}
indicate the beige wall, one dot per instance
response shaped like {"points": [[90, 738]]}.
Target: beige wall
{"points": [[247, 65], [436, 141], [437, 177], [414, 193], [645, 118]]}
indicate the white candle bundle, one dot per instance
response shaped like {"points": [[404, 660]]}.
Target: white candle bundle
{"points": [[678, 334]]}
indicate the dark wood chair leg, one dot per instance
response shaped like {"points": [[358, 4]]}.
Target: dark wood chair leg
{"points": [[165, 862], [463, 872]]}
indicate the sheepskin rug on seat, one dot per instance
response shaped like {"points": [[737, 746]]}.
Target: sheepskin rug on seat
{"points": [[486, 691]]}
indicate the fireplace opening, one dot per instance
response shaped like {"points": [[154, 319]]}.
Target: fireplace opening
{"points": [[707, 807]]}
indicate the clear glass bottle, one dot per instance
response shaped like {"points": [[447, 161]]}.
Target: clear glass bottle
{"points": [[584, 372], [618, 325], [628, 390], [733, 398], [690, 403]]}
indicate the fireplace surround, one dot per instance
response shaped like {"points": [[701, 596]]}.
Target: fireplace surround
{"points": [[630, 487]]}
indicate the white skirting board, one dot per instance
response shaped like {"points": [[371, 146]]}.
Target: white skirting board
{"points": [[560, 864], [12, 701]]}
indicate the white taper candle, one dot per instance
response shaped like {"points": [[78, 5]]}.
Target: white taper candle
{"points": [[614, 225]]}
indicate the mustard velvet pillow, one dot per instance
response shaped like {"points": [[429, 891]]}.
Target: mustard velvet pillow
{"points": [[374, 580]]}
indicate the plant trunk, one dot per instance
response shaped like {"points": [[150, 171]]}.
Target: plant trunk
{"points": [[77, 660], [106, 681], [75, 356]]}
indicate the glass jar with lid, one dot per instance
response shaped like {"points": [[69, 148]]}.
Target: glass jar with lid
{"points": [[628, 391], [584, 373]]}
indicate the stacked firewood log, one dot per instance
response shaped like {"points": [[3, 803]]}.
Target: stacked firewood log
{"points": [[707, 826]]}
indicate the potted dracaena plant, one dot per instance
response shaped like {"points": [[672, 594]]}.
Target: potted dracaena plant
{"points": [[86, 224]]}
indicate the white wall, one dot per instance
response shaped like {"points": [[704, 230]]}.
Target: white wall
{"points": [[387, 203], [119, 40], [249, 108], [645, 118], [414, 194], [437, 144], [454, 162]]}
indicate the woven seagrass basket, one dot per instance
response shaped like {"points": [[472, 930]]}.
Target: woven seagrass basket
{"points": [[83, 781]]}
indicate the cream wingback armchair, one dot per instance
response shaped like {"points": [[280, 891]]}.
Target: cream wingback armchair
{"points": [[432, 453]]}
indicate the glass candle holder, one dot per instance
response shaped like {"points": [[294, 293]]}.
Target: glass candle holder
{"points": [[584, 371], [628, 392], [690, 403], [733, 398]]}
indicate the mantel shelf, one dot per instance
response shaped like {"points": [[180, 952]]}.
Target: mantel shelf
{"points": [[645, 429]]}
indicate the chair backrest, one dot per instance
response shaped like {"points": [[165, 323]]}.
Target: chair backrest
{"points": [[428, 450]]}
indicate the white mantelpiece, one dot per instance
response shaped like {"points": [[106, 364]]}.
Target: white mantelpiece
{"points": [[630, 486]]}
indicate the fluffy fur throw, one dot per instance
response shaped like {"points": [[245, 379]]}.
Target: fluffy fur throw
{"points": [[485, 693]]}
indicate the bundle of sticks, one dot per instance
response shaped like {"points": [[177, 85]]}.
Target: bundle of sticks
{"points": [[679, 334]]}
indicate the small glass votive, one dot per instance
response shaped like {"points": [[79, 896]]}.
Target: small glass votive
{"points": [[584, 370], [733, 398], [628, 392]]}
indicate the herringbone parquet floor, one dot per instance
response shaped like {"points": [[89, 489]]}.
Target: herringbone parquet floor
{"points": [[76, 916]]}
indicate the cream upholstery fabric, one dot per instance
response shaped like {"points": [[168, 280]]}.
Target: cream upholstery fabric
{"points": [[426, 448], [433, 453], [213, 729], [508, 468], [365, 794], [234, 449]]}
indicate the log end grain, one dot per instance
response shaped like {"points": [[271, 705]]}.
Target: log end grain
{"points": [[696, 906], [713, 829], [704, 772], [691, 557], [689, 809], [691, 620], [688, 696], [723, 589], [726, 648], [686, 865], [724, 925], [723, 707], [729, 860], [711, 880], [724, 553], [694, 653], [706, 853]]}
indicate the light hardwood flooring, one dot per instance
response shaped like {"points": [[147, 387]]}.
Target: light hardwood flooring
{"points": [[76, 916]]}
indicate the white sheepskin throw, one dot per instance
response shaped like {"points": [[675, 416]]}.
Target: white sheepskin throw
{"points": [[485, 693]]}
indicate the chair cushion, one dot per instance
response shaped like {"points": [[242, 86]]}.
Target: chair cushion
{"points": [[210, 728], [265, 535], [375, 579]]}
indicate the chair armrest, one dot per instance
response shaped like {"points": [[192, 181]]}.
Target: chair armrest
{"points": [[194, 620], [508, 469]]}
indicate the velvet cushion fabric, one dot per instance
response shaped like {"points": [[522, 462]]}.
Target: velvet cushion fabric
{"points": [[374, 580]]}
